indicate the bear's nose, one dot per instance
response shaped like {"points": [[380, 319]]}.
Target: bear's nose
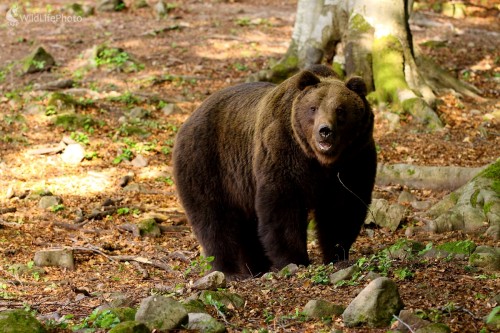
{"points": [[325, 131]]}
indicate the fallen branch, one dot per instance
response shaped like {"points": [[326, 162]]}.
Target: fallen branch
{"points": [[142, 260], [405, 324], [7, 210]]}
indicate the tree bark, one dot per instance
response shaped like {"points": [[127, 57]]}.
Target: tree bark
{"points": [[366, 38]]}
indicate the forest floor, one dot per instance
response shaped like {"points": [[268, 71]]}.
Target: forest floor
{"points": [[196, 49]]}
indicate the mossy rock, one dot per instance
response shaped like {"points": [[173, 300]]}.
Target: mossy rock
{"points": [[37, 61], [434, 328], [149, 228], [124, 314], [130, 327], [19, 321], [61, 102], [195, 306]]}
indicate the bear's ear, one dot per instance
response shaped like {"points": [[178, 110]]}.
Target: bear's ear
{"points": [[306, 79], [357, 85]]}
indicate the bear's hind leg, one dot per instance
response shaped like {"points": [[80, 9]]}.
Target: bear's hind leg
{"points": [[218, 234], [253, 259]]}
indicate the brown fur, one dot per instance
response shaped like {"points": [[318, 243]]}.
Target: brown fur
{"points": [[256, 158]]}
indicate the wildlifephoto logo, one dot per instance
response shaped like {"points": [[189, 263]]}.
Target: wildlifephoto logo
{"points": [[16, 16]]}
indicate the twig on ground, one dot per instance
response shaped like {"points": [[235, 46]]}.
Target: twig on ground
{"points": [[405, 324]]}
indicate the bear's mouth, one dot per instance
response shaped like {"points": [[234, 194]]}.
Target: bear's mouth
{"points": [[324, 146]]}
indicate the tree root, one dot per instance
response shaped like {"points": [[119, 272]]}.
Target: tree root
{"points": [[425, 177]]}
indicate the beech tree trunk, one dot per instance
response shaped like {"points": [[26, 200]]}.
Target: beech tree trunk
{"points": [[371, 39]]}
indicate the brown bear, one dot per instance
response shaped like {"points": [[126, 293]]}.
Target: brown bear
{"points": [[254, 160]]}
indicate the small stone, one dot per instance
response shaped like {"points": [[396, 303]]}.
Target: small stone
{"points": [[375, 305], [434, 328], [212, 281], [344, 274], [138, 113], [161, 313], [406, 197], [73, 154], [161, 9], [410, 319], [385, 214], [55, 257], [130, 327], [322, 309], [49, 201], [149, 228], [289, 270], [194, 306], [37, 61], [137, 4], [139, 161], [486, 257], [110, 5], [204, 323], [170, 109]]}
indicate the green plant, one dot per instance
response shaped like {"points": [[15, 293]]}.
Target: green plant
{"points": [[127, 98], [403, 273], [201, 265], [243, 21], [321, 274], [166, 179], [493, 314], [98, 319], [57, 208], [126, 155], [240, 67], [80, 137]]}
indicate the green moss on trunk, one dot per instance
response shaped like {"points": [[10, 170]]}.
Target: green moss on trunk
{"points": [[388, 68]]}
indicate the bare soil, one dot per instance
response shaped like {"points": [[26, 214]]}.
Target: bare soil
{"points": [[198, 48]]}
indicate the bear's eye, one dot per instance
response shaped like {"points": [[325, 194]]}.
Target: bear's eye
{"points": [[313, 109]]}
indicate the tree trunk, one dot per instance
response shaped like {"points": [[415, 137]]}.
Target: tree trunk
{"points": [[366, 38]]}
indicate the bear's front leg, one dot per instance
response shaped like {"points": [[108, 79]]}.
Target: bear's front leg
{"points": [[282, 218]]}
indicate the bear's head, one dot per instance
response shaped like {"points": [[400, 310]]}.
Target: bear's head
{"points": [[331, 118]]}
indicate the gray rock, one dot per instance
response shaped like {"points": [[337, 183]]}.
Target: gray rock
{"points": [[494, 232], [49, 201], [38, 60], [110, 5], [73, 154], [212, 281], [344, 274], [486, 257], [322, 309], [17, 321], [289, 270], [406, 197], [137, 4], [410, 319], [61, 102], [130, 327], [204, 323], [375, 305], [404, 249], [160, 9], [138, 113], [194, 306], [161, 313], [386, 215], [434, 328], [170, 109], [117, 300], [55, 257], [139, 161]]}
